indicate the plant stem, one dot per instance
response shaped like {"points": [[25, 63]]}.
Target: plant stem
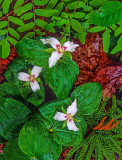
{"points": [[69, 19], [34, 19]]}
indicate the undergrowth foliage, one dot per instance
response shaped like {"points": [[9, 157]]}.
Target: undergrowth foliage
{"points": [[100, 144], [71, 17]]}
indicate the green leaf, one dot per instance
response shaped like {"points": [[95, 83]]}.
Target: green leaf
{"points": [[13, 152], [118, 46], [106, 39], [5, 48], [79, 15], [96, 29], [29, 35], [6, 6], [97, 3], [63, 137], [51, 4], [10, 89], [88, 97], [90, 14], [40, 3], [76, 26], [1, 14], [27, 16], [87, 8], [3, 32], [82, 37], [25, 27], [24, 9], [49, 109], [33, 50], [18, 3], [118, 31], [1, 1], [36, 98], [16, 66], [54, 153], [113, 27], [74, 4], [14, 33], [41, 23], [59, 7], [3, 24], [16, 20], [34, 139], [61, 77], [12, 116], [108, 14], [46, 12], [39, 32], [12, 40]]}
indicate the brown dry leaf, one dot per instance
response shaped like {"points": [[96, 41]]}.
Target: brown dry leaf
{"points": [[110, 78], [95, 66]]}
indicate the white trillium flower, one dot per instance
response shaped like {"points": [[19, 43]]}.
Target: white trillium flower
{"points": [[71, 111], [56, 55], [31, 78]]}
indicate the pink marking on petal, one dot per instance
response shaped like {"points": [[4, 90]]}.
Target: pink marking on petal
{"points": [[65, 116], [31, 78], [70, 120], [57, 46], [64, 48]]}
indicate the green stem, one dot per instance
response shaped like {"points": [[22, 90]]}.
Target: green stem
{"points": [[34, 19]]}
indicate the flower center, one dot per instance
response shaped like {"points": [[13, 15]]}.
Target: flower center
{"points": [[31, 78], [60, 48], [69, 117]]}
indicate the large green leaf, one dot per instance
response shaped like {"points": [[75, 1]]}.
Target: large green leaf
{"points": [[40, 3], [13, 152], [12, 116], [10, 89], [16, 66], [88, 97], [61, 77], [36, 98], [24, 9], [54, 153], [63, 136], [49, 109], [108, 14], [12, 40], [51, 4], [34, 139], [33, 50], [96, 29], [6, 6]]}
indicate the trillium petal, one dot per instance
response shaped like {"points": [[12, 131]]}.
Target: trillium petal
{"points": [[52, 41], [71, 125], [70, 46], [60, 116], [54, 58], [23, 76], [35, 71], [73, 108], [34, 86]]}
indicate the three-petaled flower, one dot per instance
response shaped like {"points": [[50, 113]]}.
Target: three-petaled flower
{"points": [[60, 49], [32, 78], [71, 111]]}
